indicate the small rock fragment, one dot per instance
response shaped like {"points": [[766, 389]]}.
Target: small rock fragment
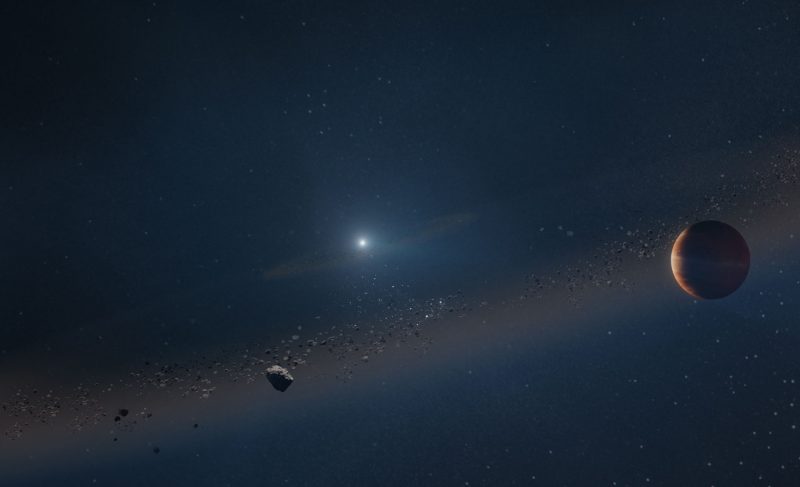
{"points": [[279, 377]]}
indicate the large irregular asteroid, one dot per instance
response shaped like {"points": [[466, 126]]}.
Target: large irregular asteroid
{"points": [[279, 377]]}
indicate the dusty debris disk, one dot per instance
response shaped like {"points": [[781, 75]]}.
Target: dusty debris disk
{"points": [[279, 377]]}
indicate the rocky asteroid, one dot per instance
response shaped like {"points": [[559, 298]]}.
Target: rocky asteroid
{"points": [[279, 377]]}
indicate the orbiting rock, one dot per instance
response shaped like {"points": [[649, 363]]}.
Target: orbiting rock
{"points": [[279, 377]]}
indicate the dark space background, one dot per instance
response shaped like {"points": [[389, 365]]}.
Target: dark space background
{"points": [[161, 159]]}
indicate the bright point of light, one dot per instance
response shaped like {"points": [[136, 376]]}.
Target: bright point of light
{"points": [[362, 243]]}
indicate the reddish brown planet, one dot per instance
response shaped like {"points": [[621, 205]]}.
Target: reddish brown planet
{"points": [[710, 260]]}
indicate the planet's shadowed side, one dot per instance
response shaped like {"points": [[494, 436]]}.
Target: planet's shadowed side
{"points": [[710, 260]]}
